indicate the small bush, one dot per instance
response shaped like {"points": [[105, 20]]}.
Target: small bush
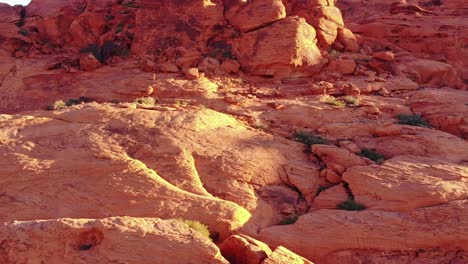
{"points": [[372, 155], [146, 101], [321, 189], [309, 139], [179, 103], [334, 102], [197, 226], [119, 28], [81, 99], [289, 220], [350, 205], [412, 120], [24, 32], [107, 50], [351, 100], [60, 104]]}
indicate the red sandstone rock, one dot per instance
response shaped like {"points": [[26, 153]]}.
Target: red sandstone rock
{"points": [[408, 182], [334, 155], [169, 24], [384, 55], [105, 241], [322, 15], [230, 66], [319, 234], [347, 39], [287, 48], [242, 249], [444, 109], [419, 33], [255, 14], [228, 170], [87, 28], [330, 198], [342, 66], [432, 73], [88, 62]]}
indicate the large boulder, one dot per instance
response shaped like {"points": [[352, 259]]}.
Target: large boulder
{"points": [[430, 72], [324, 16], [443, 108], [320, 235], [242, 249], [87, 28], [408, 182], [106, 241], [255, 14], [286, 48]]}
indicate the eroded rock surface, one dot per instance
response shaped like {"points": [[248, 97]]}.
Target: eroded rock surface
{"points": [[105, 241], [296, 131]]}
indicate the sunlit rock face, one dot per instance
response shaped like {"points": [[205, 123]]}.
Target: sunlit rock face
{"points": [[260, 132]]}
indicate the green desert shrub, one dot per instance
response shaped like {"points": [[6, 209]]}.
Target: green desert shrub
{"points": [[334, 102], [351, 100], [24, 32], [60, 104], [197, 226], [350, 205], [146, 101], [371, 154], [81, 99], [290, 219], [412, 120], [309, 139], [119, 28]]}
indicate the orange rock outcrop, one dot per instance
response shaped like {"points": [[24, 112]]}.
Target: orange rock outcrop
{"points": [[229, 131]]}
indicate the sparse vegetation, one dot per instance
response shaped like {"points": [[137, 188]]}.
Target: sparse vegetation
{"points": [[146, 101], [119, 28], [180, 103], [309, 139], [197, 226], [371, 154], [81, 99], [60, 104], [334, 102], [351, 101], [334, 53], [258, 124], [412, 120], [24, 32], [107, 50], [289, 220], [321, 189], [350, 205]]}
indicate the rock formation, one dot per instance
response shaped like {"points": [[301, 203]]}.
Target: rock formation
{"points": [[233, 131]]}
